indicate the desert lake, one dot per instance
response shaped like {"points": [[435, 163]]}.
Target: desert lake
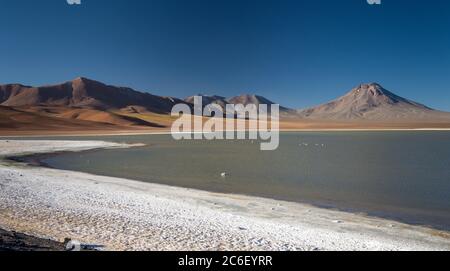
{"points": [[401, 175]]}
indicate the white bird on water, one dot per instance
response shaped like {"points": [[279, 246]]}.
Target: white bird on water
{"points": [[224, 174]]}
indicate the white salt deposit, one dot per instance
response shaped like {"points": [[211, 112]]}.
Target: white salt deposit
{"points": [[129, 215]]}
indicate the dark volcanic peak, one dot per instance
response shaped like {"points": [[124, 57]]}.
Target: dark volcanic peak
{"points": [[247, 99], [244, 99], [84, 79], [372, 102], [207, 99]]}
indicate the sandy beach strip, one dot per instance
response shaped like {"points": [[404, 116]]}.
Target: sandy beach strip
{"points": [[129, 215]]}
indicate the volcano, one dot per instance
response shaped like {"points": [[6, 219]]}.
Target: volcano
{"points": [[373, 102]]}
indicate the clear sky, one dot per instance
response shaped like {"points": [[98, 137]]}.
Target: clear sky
{"points": [[297, 53]]}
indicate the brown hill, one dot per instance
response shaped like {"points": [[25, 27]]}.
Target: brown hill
{"points": [[80, 104], [16, 120], [83, 93], [373, 102]]}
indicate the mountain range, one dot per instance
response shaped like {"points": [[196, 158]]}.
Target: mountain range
{"points": [[244, 99], [85, 104]]}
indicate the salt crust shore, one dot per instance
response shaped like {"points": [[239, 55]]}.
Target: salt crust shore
{"points": [[163, 132], [129, 215]]}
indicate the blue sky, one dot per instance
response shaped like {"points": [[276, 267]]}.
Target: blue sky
{"points": [[298, 53]]}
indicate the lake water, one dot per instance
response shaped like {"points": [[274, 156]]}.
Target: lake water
{"points": [[398, 175]]}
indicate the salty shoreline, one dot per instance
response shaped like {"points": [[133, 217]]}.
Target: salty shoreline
{"points": [[129, 215], [34, 134]]}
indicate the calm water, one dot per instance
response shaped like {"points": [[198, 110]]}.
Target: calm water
{"points": [[399, 175]]}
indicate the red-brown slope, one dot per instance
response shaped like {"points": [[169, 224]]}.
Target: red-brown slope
{"points": [[83, 93]]}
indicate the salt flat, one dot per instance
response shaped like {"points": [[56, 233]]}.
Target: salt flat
{"points": [[129, 215]]}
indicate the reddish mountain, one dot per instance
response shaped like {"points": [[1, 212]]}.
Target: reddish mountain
{"points": [[83, 93]]}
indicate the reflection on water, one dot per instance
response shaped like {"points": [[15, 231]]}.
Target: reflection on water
{"points": [[400, 175]]}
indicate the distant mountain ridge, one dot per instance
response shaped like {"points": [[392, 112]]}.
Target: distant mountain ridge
{"points": [[87, 103], [244, 99]]}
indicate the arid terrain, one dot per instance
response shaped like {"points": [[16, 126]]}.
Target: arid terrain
{"points": [[84, 106]]}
